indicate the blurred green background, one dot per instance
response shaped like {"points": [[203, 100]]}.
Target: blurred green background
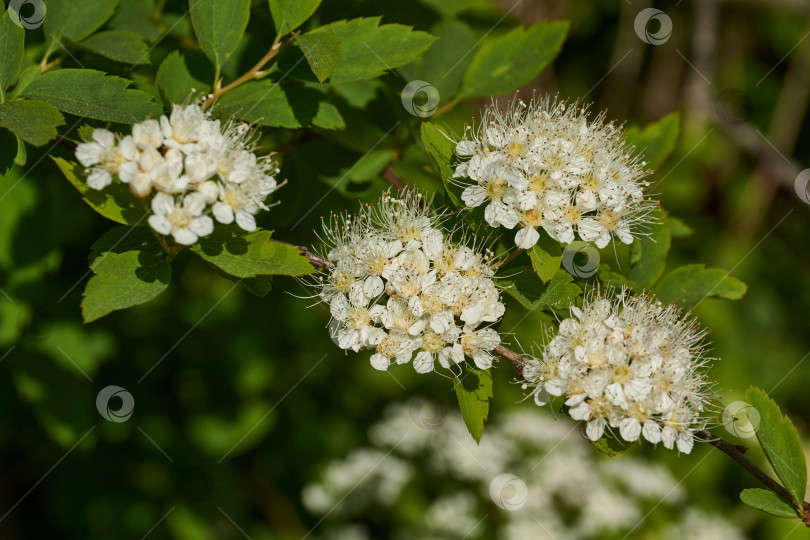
{"points": [[241, 401]]}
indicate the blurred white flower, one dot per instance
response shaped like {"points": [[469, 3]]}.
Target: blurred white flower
{"points": [[574, 493], [547, 165]]}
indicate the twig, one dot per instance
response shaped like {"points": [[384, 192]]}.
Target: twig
{"points": [[253, 73], [737, 453], [391, 177]]}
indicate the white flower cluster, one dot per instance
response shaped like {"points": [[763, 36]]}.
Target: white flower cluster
{"points": [[545, 165], [195, 165], [570, 493], [627, 362], [400, 285]]}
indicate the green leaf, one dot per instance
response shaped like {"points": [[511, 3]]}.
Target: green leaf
{"points": [[89, 93], [119, 45], [35, 122], [692, 283], [114, 202], [246, 255], [368, 50], [28, 75], [474, 390], [137, 16], [123, 238], [442, 151], [523, 285], [176, 81], [678, 228], [610, 446], [648, 254], [781, 443], [290, 14], [12, 41], [124, 280], [322, 51], [505, 63], [288, 105], [76, 20], [546, 258], [446, 62], [220, 25], [768, 501], [657, 140], [328, 117]]}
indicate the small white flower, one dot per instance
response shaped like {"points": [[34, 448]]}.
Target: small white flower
{"points": [[184, 221], [186, 153], [418, 290], [628, 363], [547, 165]]}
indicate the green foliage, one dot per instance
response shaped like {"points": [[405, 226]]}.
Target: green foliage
{"points": [[116, 202], [648, 255], [442, 151], [474, 392], [368, 49], [91, 93], [246, 255], [781, 443], [693, 283], [76, 20], [124, 280], [220, 25], [520, 284], [290, 14], [35, 122], [119, 45], [514, 59], [322, 51], [546, 258], [12, 39], [655, 141], [768, 501], [176, 81]]}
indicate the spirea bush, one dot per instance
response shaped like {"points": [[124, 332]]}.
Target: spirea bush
{"points": [[178, 122]]}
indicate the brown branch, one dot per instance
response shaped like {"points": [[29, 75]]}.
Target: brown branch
{"points": [[391, 177], [253, 73], [737, 453]]}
